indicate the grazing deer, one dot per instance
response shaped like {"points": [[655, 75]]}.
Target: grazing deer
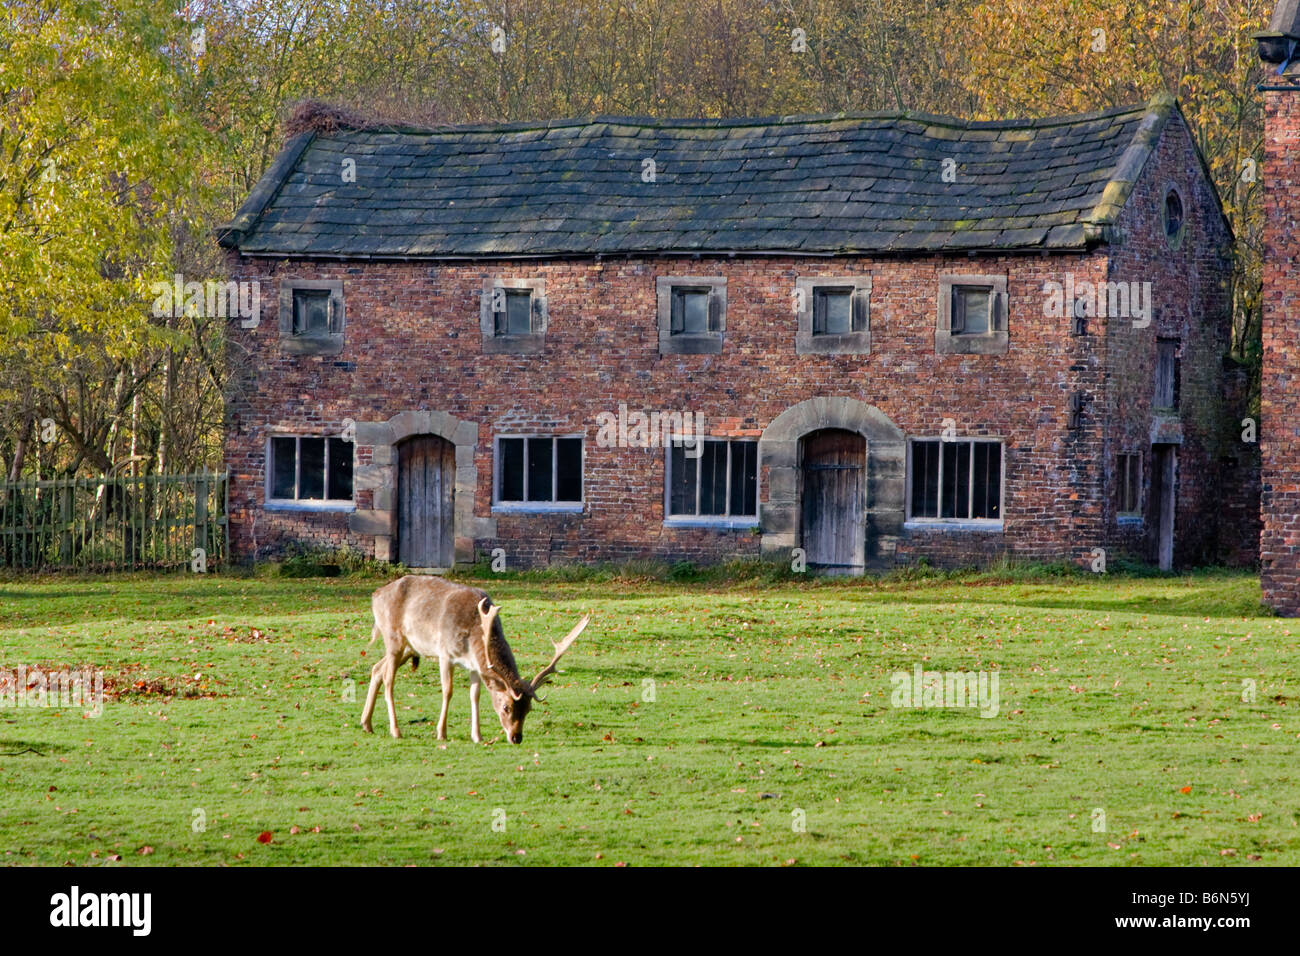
{"points": [[421, 616]]}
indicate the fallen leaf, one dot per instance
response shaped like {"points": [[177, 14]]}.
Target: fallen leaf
{"points": [[266, 836]]}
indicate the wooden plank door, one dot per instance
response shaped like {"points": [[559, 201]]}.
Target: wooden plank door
{"points": [[426, 474], [834, 475], [1164, 487]]}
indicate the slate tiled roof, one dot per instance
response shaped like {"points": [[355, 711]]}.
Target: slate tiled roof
{"points": [[806, 185]]}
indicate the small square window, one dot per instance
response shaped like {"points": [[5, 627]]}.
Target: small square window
{"points": [[312, 312], [512, 316], [691, 314], [516, 315], [972, 317], [971, 309], [832, 311], [311, 316], [834, 315]]}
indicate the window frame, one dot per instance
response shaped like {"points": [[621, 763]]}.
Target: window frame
{"points": [[697, 520], [691, 343], [996, 341], [1173, 388], [305, 504], [330, 343], [538, 507], [911, 522], [809, 342], [1135, 515], [1175, 238], [514, 343]]}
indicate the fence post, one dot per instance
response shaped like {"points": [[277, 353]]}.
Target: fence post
{"points": [[65, 522], [201, 510]]}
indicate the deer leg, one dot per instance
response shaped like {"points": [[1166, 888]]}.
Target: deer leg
{"points": [[376, 675], [444, 676], [475, 685], [391, 663]]}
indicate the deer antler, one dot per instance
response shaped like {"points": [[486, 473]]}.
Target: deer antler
{"points": [[487, 617], [560, 648]]}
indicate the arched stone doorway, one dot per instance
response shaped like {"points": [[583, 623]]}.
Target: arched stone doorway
{"points": [[782, 449], [381, 442]]}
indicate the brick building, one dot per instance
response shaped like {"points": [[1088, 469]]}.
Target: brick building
{"points": [[1279, 432], [901, 336]]}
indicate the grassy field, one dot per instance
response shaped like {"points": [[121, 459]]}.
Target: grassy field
{"points": [[693, 723]]}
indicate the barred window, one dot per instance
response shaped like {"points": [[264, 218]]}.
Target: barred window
{"points": [[956, 480], [310, 469], [1129, 480], [722, 481], [539, 470]]}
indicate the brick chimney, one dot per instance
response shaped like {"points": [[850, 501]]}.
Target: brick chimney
{"points": [[1279, 48]]}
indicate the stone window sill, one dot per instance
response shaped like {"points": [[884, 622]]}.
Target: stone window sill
{"points": [[310, 504], [718, 523], [538, 508], [951, 524], [312, 344]]}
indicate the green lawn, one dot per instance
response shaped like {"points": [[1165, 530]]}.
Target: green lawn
{"points": [[770, 705]]}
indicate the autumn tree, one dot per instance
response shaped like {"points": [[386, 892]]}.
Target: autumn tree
{"points": [[1037, 57]]}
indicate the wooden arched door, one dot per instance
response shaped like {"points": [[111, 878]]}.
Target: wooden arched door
{"points": [[426, 480], [834, 493]]}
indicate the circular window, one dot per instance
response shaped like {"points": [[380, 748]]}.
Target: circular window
{"points": [[1174, 220]]}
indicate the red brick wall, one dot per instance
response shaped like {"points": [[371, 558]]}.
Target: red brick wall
{"points": [[1192, 303], [1279, 435], [413, 342]]}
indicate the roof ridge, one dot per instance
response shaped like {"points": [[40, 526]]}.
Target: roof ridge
{"points": [[739, 122]]}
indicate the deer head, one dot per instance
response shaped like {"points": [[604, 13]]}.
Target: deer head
{"points": [[512, 696]]}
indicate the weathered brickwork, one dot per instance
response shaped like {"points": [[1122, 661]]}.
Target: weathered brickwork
{"points": [[1190, 303], [413, 344], [1279, 428]]}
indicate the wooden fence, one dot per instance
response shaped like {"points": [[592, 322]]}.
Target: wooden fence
{"points": [[113, 523]]}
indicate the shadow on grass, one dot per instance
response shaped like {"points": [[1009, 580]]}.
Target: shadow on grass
{"points": [[1192, 605], [29, 748]]}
